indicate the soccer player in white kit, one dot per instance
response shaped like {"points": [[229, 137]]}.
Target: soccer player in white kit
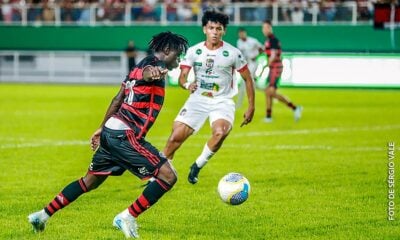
{"points": [[214, 62], [251, 48]]}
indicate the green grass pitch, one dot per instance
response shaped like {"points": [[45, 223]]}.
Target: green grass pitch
{"points": [[324, 177]]}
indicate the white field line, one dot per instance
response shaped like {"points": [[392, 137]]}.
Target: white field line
{"points": [[49, 142], [43, 143]]}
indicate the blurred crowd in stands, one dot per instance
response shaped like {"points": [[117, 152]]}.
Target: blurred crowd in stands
{"points": [[89, 11]]}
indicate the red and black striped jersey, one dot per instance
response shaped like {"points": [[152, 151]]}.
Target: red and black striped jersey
{"points": [[143, 100], [273, 43]]}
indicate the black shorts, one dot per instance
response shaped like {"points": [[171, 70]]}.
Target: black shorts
{"points": [[119, 150]]}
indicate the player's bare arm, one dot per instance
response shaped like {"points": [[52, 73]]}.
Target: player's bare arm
{"points": [[273, 56], [113, 108], [183, 76], [248, 115], [154, 73], [270, 60]]}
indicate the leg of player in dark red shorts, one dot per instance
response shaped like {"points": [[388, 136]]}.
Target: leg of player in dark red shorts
{"points": [[164, 181], [271, 93]]}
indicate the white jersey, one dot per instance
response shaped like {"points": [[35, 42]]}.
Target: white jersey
{"points": [[213, 69], [249, 48]]}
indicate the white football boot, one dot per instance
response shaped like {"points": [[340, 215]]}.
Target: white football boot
{"points": [[267, 120], [297, 113], [127, 224], [38, 220]]}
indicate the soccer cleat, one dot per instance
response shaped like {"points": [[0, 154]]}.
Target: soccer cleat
{"points": [[297, 113], [38, 220], [127, 224], [268, 120], [194, 173]]}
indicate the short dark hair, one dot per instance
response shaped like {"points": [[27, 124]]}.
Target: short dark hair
{"points": [[170, 40], [268, 22], [215, 16], [241, 29]]}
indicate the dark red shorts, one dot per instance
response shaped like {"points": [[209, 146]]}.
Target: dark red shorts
{"points": [[274, 76]]}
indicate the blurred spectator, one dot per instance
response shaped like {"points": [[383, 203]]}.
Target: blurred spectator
{"points": [[131, 54], [365, 10], [184, 11], [84, 9], [261, 12], [7, 11], [34, 11], [285, 10], [117, 11], [148, 10], [136, 10], [196, 6], [48, 14], [68, 12], [1, 13], [171, 10], [328, 10], [297, 14]]}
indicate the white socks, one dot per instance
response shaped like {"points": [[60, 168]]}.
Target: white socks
{"points": [[204, 156]]}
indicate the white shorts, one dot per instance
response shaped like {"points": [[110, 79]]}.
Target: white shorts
{"points": [[197, 108]]}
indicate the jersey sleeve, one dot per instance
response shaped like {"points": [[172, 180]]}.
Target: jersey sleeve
{"points": [[188, 59], [240, 61]]}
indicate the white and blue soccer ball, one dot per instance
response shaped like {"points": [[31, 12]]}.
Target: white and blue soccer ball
{"points": [[234, 188]]}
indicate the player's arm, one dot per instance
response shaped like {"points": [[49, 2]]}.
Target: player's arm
{"points": [[153, 73], [273, 56], [248, 115], [183, 82], [112, 108]]}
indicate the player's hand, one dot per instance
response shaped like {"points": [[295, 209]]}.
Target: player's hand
{"points": [[156, 73], [192, 87], [95, 140], [248, 116]]}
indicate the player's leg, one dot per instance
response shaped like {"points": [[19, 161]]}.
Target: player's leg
{"points": [[221, 116], [99, 169], [269, 93], [180, 132], [69, 194], [189, 120], [143, 160], [220, 130], [164, 181], [297, 110]]}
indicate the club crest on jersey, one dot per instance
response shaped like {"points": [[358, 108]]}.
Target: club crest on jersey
{"points": [[225, 53], [198, 51], [209, 65]]}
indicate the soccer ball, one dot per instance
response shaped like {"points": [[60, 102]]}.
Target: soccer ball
{"points": [[234, 188]]}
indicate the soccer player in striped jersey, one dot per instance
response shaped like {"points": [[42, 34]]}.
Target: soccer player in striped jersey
{"points": [[120, 140], [273, 51], [214, 62]]}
